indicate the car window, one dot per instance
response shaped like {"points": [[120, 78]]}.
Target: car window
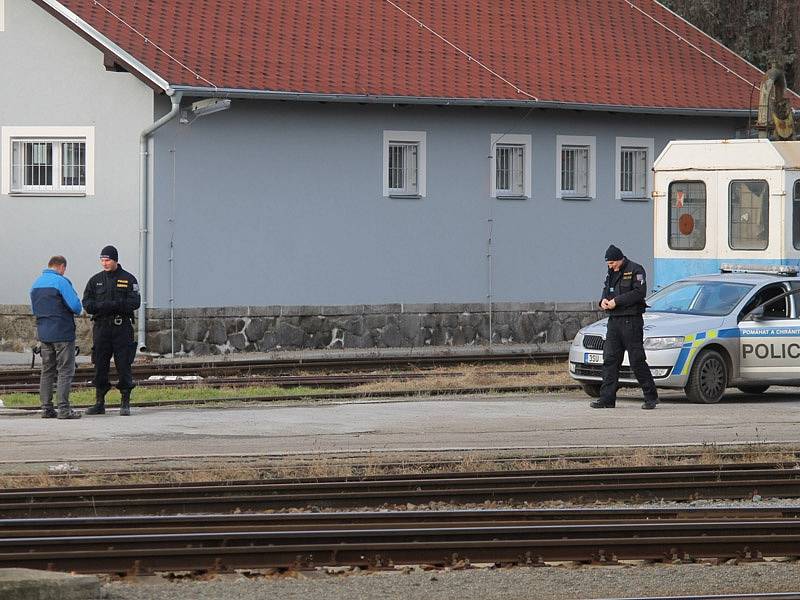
{"points": [[780, 309], [713, 298]]}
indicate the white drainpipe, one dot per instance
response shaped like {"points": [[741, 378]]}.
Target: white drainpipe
{"points": [[144, 207]]}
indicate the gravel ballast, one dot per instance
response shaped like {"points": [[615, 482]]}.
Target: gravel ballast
{"points": [[546, 583]]}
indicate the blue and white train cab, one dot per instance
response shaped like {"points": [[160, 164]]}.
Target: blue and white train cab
{"points": [[725, 201]]}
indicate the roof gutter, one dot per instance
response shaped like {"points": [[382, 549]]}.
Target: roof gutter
{"points": [[207, 92], [105, 42], [144, 207]]}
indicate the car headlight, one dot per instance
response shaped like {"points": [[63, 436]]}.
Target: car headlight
{"points": [[663, 343], [578, 340]]}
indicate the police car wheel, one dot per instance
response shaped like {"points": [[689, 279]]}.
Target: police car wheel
{"points": [[591, 389], [753, 389], [708, 379]]}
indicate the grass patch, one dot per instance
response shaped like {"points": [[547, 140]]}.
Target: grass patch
{"points": [[85, 397], [442, 379]]}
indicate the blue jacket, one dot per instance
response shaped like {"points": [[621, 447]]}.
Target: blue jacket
{"points": [[54, 301]]}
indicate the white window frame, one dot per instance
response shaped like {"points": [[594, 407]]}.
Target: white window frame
{"points": [[2, 15], [511, 139], [590, 142], [405, 137], [647, 144], [8, 135]]}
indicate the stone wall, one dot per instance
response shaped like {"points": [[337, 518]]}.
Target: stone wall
{"points": [[203, 331], [18, 329]]}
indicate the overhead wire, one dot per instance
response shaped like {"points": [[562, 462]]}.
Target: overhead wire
{"points": [[686, 41], [152, 43], [470, 57], [490, 216]]}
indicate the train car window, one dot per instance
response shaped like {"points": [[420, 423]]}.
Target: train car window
{"points": [[686, 221], [796, 215], [748, 215]]}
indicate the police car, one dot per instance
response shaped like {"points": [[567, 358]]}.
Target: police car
{"points": [[738, 328]]}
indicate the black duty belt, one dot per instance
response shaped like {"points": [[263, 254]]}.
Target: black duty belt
{"points": [[113, 320]]}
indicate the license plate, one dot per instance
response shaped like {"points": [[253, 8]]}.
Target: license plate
{"points": [[590, 358]]}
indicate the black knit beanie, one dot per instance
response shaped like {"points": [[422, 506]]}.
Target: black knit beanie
{"points": [[109, 252], [614, 253]]}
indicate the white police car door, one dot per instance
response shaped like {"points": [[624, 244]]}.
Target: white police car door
{"points": [[769, 346]]}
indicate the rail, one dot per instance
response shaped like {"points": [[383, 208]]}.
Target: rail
{"points": [[359, 540], [576, 485]]}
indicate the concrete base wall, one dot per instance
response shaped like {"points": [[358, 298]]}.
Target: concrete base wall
{"points": [[18, 329], [203, 331]]}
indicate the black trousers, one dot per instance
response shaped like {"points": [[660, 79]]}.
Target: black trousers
{"points": [[625, 333], [117, 341]]}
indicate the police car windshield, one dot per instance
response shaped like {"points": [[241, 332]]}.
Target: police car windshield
{"points": [[712, 298]]}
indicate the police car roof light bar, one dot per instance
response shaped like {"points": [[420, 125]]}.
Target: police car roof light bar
{"points": [[783, 270]]}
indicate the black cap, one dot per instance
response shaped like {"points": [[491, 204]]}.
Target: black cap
{"points": [[614, 253], [109, 252]]}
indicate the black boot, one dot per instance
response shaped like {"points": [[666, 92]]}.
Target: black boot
{"points": [[99, 407], [600, 403], [125, 403], [650, 403]]}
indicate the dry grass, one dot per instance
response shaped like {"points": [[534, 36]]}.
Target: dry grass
{"points": [[322, 466], [476, 376]]}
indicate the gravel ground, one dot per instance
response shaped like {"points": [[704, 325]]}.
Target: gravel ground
{"points": [[546, 583]]}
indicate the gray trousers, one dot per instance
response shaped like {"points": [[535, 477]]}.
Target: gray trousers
{"points": [[58, 360]]}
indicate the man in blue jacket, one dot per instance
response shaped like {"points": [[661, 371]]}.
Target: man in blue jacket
{"points": [[54, 303]]}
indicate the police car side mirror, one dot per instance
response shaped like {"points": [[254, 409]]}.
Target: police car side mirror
{"points": [[756, 314]]}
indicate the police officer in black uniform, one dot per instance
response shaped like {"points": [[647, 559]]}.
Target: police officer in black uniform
{"points": [[112, 297], [623, 301]]}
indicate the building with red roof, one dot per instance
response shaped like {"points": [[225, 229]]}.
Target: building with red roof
{"points": [[331, 153]]}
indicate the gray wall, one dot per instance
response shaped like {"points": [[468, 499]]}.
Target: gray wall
{"points": [[52, 77], [281, 203]]}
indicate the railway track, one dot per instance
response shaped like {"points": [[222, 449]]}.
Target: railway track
{"points": [[283, 381], [300, 541], [577, 485], [281, 370], [263, 466], [295, 521]]}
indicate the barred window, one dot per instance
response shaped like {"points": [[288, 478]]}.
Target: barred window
{"points": [[510, 165], [575, 171], [404, 164], [796, 215], [687, 215], [633, 172], [510, 170], [748, 215], [48, 165], [403, 167]]}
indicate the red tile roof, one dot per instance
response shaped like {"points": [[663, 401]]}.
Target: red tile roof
{"points": [[624, 53]]}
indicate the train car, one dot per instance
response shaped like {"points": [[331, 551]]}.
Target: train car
{"points": [[725, 201]]}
